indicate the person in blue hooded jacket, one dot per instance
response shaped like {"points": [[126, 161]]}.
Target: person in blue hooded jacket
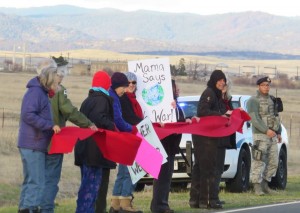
{"points": [[35, 132], [122, 194]]}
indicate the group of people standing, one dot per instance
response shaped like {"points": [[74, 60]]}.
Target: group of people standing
{"points": [[111, 104]]}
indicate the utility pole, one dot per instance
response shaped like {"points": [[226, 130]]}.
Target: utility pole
{"points": [[14, 55], [253, 68], [275, 71], [24, 57]]}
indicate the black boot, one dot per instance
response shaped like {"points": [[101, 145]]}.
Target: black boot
{"points": [[215, 205]]}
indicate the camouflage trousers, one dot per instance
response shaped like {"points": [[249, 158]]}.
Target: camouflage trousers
{"points": [[266, 166]]}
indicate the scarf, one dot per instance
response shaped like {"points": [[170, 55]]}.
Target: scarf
{"points": [[135, 104], [100, 89], [51, 93]]}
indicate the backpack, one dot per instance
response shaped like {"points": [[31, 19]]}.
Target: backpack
{"points": [[278, 105]]}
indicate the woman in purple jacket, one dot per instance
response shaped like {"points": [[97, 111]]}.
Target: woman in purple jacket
{"points": [[36, 130]]}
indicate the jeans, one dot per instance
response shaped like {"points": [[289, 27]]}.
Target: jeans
{"points": [[34, 178], [53, 172], [123, 184], [91, 178]]}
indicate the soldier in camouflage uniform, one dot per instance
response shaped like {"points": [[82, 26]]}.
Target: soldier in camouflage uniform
{"points": [[266, 130]]}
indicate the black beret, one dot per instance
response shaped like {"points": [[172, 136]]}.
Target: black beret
{"points": [[264, 79]]}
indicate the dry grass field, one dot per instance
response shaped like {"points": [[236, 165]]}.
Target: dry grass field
{"points": [[12, 88]]}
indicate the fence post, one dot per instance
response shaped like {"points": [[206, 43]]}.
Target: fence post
{"points": [[2, 117], [291, 126]]}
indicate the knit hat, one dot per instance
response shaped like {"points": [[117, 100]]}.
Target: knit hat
{"points": [[131, 76], [216, 75], [264, 79], [119, 79], [101, 79]]}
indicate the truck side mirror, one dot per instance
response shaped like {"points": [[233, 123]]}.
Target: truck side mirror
{"points": [[248, 124]]}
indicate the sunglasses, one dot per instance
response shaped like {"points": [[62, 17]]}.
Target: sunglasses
{"points": [[132, 82]]}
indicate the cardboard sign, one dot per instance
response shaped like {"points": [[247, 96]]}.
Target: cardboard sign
{"points": [[154, 88], [144, 162]]}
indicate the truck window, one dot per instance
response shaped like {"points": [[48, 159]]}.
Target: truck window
{"points": [[189, 108], [235, 104]]}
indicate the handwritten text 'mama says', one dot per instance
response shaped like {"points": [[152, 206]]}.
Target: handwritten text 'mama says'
{"points": [[152, 72]]}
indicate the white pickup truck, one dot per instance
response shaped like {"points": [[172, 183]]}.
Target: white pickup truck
{"points": [[237, 161]]}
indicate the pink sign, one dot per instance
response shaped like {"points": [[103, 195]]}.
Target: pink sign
{"points": [[149, 158]]}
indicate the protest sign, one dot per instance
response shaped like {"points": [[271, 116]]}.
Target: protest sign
{"points": [[146, 129], [154, 88]]}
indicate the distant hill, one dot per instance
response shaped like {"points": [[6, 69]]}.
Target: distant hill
{"points": [[58, 28]]}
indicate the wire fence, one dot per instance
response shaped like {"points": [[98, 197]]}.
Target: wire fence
{"points": [[11, 118], [193, 68]]}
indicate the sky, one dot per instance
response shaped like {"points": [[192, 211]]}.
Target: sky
{"points": [[202, 7]]}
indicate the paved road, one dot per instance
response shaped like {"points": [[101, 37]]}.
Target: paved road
{"points": [[291, 207]]}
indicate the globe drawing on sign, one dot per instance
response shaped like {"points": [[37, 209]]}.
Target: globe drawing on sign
{"points": [[154, 95]]}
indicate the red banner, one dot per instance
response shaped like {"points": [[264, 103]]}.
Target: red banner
{"points": [[211, 126], [122, 147]]}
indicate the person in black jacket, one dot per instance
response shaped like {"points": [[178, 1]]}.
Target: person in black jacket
{"points": [[162, 186], [98, 107], [101, 203], [131, 109], [209, 152]]}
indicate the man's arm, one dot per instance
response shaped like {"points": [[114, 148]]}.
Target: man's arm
{"points": [[71, 112]]}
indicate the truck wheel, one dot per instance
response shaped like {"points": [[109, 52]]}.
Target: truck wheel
{"points": [[280, 179], [139, 187], [240, 183]]}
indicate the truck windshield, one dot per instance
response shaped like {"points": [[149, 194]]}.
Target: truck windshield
{"points": [[190, 107]]}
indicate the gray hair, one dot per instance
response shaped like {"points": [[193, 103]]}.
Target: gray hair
{"points": [[47, 72], [131, 76], [108, 70], [62, 70], [229, 85], [45, 64]]}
